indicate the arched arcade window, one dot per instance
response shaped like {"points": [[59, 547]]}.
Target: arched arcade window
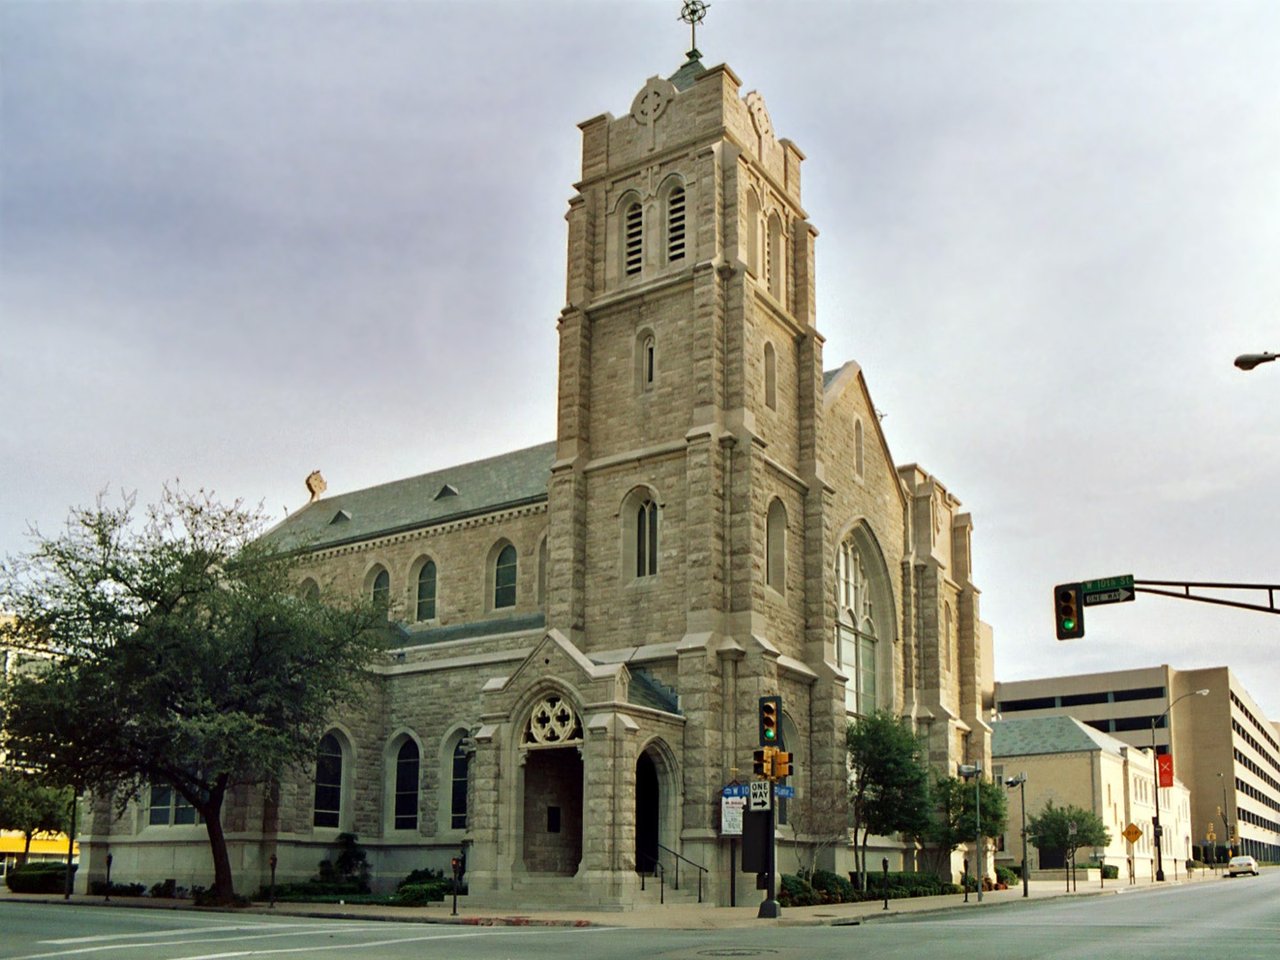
{"points": [[327, 811]]}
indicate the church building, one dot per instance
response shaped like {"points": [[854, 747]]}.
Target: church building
{"points": [[583, 628]]}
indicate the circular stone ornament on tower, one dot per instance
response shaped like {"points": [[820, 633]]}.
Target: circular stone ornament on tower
{"points": [[652, 99]]}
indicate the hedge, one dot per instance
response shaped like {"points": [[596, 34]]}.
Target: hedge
{"points": [[46, 877]]}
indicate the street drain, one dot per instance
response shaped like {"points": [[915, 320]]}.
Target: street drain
{"points": [[736, 952]]}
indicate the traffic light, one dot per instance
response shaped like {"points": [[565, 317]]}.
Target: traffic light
{"points": [[770, 721], [1068, 611], [781, 765], [762, 762]]}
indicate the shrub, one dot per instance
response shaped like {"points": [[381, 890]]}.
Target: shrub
{"points": [[826, 882], [44, 877], [796, 892], [420, 894], [1006, 876], [164, 890], [1110, 871], [421, 875]]}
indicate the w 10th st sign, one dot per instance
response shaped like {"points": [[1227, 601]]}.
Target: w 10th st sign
{"points": [[1108, 590]]}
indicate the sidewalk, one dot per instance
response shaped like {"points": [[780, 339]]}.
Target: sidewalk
{"points": [[668, 917]]}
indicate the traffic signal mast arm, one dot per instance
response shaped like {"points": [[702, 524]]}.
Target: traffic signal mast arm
{"points": [[1186, 586]]}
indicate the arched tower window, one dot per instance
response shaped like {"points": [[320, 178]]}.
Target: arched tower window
{"points": [[647, 539], [328, 791], [857, 448], [751, 233], [776, 547], [633, 239], [504, 578], [406, 792], [675, 224], [426, 608], [777, 258], [646, 360], [770, 377]]}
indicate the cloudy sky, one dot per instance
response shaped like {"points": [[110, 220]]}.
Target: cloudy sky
{"points": [[243, 240]]}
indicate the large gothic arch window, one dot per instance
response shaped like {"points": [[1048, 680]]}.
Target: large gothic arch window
{"points": [[864, 623], [330, 781], [405, 793], [641, 529]]}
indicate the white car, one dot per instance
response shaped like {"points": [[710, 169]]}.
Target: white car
{"points": [[1242, 865]]}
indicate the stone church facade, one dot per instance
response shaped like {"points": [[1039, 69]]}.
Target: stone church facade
{"points": [[583, 628]]}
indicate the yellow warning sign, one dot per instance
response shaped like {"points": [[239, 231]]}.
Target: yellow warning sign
{"points": [[1132, 832]]}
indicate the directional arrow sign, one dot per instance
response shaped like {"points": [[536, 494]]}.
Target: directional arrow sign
{"points": [[1107, 590]]}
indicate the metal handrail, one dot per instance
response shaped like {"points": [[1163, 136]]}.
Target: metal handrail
{"points": [[660, 872], [697, 866]]}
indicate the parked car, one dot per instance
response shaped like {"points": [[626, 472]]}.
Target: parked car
{"points": [[1242, 865]]}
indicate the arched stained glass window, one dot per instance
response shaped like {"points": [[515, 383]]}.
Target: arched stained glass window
{"points": [[647, 539], [458, 791], [406, 794], [427, 591], [328, 796], [504, 578]]}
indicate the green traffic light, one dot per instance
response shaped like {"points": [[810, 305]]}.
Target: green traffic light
{"points": [[770, 734], [1068, 624]]}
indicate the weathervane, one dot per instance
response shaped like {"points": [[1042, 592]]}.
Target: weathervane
{"points": [[693, 13]]}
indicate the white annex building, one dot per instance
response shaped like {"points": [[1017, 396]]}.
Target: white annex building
{"points": [[585, 626]]}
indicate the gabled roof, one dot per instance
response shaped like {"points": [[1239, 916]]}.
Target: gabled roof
{"points": [[1034, 736], [482, 486]]}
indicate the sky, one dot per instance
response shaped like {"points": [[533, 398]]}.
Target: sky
{"points": [[240, 241]]}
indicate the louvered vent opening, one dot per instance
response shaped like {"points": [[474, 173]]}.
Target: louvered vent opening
{"points": [[675, 225], [634, 239]]}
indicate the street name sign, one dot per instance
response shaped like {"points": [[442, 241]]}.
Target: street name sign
{"points": [[1107, 590], [784, 790]]}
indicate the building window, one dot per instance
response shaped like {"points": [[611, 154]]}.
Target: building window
{"points": [[856, 640], [857, 449], [770, 377], [458, 787], [328, 799], [751, 232], [776, 258], [647, 539], [406, 792], [380, 591], [776, 547], [309, 590], [167, 807], [504, 578], [648, 362], [542, 571], [633, 239], [427, 591], [675, 224]]}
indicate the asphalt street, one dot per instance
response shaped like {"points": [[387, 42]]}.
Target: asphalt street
{"points": [[1226, 920]]}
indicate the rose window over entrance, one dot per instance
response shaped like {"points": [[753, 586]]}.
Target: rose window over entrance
{"points": [[552, 723]]}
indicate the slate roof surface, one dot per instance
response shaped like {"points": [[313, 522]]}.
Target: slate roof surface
{"points": [[1033, 736], [482, 486]]}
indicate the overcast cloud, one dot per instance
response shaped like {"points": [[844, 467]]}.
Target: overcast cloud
{"points": [[239, 241]]}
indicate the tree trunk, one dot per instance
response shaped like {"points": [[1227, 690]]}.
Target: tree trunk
{"points": [[26, 849], [223, 886]]}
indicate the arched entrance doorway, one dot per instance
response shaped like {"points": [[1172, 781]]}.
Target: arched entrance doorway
{"points": [[552, 814], [648, 814]]}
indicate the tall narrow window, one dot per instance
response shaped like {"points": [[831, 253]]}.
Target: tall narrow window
{"points": [[675, 225], [406, 795], [647, 539], [770, 377], [633, 239], [856, 637], [328, 801], [381, 591], [857, 447], [458, 793], [504, 578], [649, 360], [777, 258], [427, 591], [776, 547], [751, 233]]}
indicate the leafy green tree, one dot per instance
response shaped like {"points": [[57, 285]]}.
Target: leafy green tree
{"points": [[1067, 829], [954, 816], [181, 654], [888, 780], [31, 807]]}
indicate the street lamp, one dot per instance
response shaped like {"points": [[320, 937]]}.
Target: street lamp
{"points": [[1021, 781], [1155, 765], [1247, 361], [974, 770], [1226, 819]]}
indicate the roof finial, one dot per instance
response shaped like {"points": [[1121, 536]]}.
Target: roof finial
{"points": [[693, 13]]}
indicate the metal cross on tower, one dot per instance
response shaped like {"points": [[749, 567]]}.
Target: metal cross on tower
{"points": [[693, 13]]}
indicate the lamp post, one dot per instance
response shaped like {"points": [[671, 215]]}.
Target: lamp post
{"points": [[974, 770], [1155, 766], [1020, 781], [1226, 819], [1247, 361]]}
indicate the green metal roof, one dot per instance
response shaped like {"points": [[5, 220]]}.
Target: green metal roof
{"points": [[1031, 736], [482, 486]]}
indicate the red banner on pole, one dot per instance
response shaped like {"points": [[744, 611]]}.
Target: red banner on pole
{"points": [[1164, 767]]}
